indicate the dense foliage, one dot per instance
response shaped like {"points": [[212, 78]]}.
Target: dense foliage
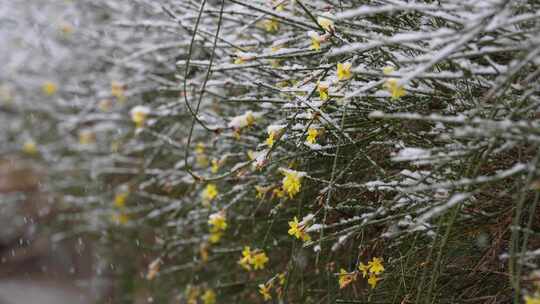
{"points": [[241, 151]]}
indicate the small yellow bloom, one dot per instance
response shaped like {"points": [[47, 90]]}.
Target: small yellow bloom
{"points": [[364, 269], [323, 91], [387, 70], [278, 192], [209, 193], [30, 148], [217, 222], [49, 88], [105, 105], [239, 60], [291, 182], [271, 139], [242, 121], [315, 41], [192, 293], [344, 71], [261, 192], [297, 230], [199, 148], [326, 24], [247, 258], [312, 135], [120, 199], [201, 158], [271, 25], [215, 166], [139, 115], [118, 90], [87, 137], [395, 89], [345, 278], [215, 237], [203, 252], [375, 266], [120, 218], [282, 278], [259, 260], [209, 297], [531, 300], [372, 280], [264, 290], [66, 28]]}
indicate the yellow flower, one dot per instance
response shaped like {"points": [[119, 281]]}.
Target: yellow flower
{"points": [[118, 90], [215, 236], [139, 115], [291, 182], [66, 28], [199, 148], [315, 41], [364, 269], [323, 91], [264, 290], [271, 25], [209, 297], [246, 259], [242, 121], [372, 280], [278, 192], [203, 252], [531, 300], [261, 192], [345, 278], [201, 158], [217, 222], [120, 218], [387, 70], [49, 88], [375, 266], [215, 166], [297, 230], [271, 139], [344, 71], [87, 137], [312, 135], [209, 193], [105, 105], [294, 230], [326, 24], [259, 260], [192, 293], [30, 148], [120, 199], [282, 277], [395, 89]]}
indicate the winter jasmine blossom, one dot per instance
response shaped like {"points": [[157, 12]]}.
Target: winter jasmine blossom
{"points": [[394, 88], [139, 115], [264, 290], [312, 135], [259, 260], [344, 71], [291, 182], [49, 88]]}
